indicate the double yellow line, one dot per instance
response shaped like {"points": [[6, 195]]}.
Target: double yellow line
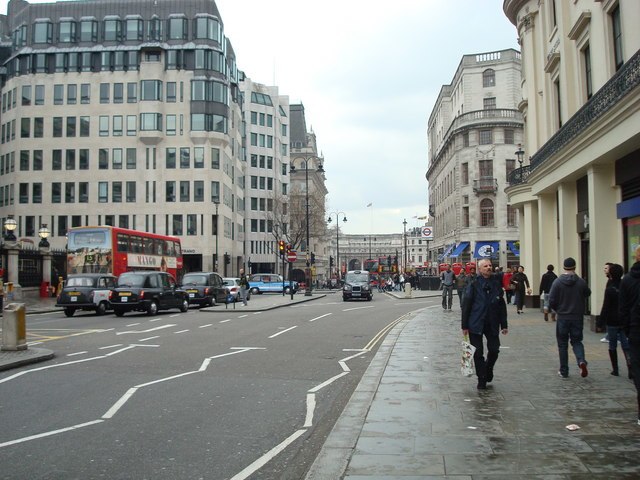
{"points": [[381, 334]]}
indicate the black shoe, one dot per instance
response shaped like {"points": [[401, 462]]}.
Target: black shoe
{"points": [[482, 384], [489, 375]]}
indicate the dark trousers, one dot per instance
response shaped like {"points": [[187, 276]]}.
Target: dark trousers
{"points": [[493, 349], [634, 354]]}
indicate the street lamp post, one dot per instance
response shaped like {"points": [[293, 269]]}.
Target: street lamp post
{"points": [[344, 219], [292, 169], [405, 245], [216, 201], [520, 154]]}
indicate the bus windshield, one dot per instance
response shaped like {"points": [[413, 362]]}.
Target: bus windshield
{"points": [[89, 239]]}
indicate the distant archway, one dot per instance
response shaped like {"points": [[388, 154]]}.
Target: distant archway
{"points": [[354, 264]]}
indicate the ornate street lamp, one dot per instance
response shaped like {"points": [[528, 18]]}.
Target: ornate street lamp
{"points": [[292, 169], [405, 245], [344, 219], [520, 154], [44, 233], [10, 225]]}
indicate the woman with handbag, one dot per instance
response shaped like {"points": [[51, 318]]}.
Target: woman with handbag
{"points": [[522, 286]]}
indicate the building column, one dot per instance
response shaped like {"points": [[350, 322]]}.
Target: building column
{"points": [[530, 244], [605, 230], [569, 245], [548, 227]]}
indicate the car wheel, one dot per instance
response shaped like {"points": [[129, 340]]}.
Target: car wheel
{"points": [[370, 297], [101, 309], [255, 291], [69, 311], [152, 309], [184, 306], [119, 312], [287, 290], [212, 302], [344, 299]]}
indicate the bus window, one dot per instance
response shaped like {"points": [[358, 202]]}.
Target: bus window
{"points": [[178, 250], [159, 246], [123, 242], [148, 246], [136, 245], [168, 248]]}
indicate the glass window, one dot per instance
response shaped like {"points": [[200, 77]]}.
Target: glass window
{"points": [[509, 136], [151, 90], [24, 160], [488, 78], [83, 192], [69, 192], [151, 121], [171, 92], [134, 29], [112, 30], [56, 192], [103, 159], [26, 95], [616, 25], [70, 160], [177, 29], [116, 192], [58, 94], [185, 157], [131, 125], [39, 95], [104, 92], [486, 137], [185, 194], [56, 160], [85, 93], [83, 163], [171, 125], [67, 32], [42, 32], [36, 193], [198, 191], [71, 126], [116, 159], [103, 125], [117, 126], [89, 31], [170, 191], [486, 213], [170, 157], [37, 159], [198, 157], [131, 158], [38, 127], [85, 126], [25, 127], [154, 30], [103, 192], [489, 103], [132, 92], [131, 192], [118, 92]]}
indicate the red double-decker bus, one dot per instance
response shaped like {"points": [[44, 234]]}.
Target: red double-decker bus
{"points": [[116, 250]]}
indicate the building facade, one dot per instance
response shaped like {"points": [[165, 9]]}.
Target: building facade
{"points": [[579, 192], [474, 131]]}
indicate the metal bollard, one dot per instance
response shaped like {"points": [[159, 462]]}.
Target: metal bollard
{"points": [[14, 327], [407, 290]]}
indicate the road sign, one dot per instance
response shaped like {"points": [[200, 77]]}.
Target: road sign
{"points": [[291, 256], [427, 232]]}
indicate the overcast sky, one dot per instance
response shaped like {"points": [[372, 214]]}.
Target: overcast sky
{"points": [[368, 74]]}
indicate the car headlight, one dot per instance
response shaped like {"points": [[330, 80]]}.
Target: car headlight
{"points": [[347, 287], [365, 287]]}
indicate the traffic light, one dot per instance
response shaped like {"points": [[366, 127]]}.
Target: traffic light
{"points": [[289, 247], [330, 261], [227, 259], [313, 258], [395, 260], [281, 247], [389, 261], [249, 265]]}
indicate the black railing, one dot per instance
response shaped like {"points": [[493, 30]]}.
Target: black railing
{"points": [[611, 94], [519, 175], [485, 185]]}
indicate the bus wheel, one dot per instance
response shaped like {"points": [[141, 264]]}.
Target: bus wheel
{"points": [[119, 312], [184, 307], [101, 309], [69, 311], [152, 309]]}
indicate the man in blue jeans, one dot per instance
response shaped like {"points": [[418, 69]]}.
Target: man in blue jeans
{"points": [[447, 278], [567, 297]]}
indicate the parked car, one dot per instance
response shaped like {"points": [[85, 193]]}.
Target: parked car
{"points": [[233, 286], [147, 291], [86, 291], [204, 288], [357, 284], [270, 282]]}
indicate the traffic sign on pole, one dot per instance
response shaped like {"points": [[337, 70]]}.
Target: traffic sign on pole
{"points": [[292, 256]]}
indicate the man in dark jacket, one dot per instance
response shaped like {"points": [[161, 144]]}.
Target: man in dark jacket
{"points": [[545, 287], [484, 312], [567, 298], [629, 318]]}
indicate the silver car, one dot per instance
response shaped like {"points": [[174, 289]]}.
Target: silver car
{"points": [[233, 285]]}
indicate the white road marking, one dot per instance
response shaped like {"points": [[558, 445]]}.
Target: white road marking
{"points": [[169, 325], [181, 331], [133, 324], [149, 338], [48, 434], [110, 346], [343, 364], [357, 308], [321, 316], [205, 326], [328, 382], [174, 315], [225, 321], [121, 401], [283, 331], [31, 344], [242, 316], [74, 354], [155, 319], [267, 457], [311, 406]]}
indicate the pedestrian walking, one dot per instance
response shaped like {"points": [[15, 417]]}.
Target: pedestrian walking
{"points": [[545, 287], [461, 283], [484, 314], [244, 287], [567, 297], [630, 318], [601, 326], [448, 279], [507, 285], [521, 282], [609, 315]]}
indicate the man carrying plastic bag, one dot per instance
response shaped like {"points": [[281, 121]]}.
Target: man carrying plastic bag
{"points": [[467, 357], [484, 313]]}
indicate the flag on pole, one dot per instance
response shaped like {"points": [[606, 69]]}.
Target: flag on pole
{"points": [[369, 204]]}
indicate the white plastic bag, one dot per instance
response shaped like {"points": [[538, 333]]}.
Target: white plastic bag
{"points": [[468, 350]]}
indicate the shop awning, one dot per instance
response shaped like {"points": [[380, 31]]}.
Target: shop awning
{"points": [[514, 246], [447, 250], [462, 246], [487, 250]]}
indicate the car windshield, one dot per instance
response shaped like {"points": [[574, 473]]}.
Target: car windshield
{"points": [[131, 280], [80, 282], [200, 280], [357, 278]]}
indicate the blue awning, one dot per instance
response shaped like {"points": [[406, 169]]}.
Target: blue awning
{"points": [[462, 246], [487, 250], [447, 250], [514, 246]]}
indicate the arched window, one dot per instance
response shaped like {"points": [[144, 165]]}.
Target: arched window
{"points": [[486, 213], [489, 78]]}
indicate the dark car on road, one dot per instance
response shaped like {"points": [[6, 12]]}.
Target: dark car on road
{"points": [[87, 291], [204, 288], [147, 291], [357, 284]]}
